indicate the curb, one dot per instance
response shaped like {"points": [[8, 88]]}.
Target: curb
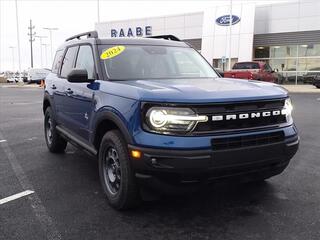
{"points": [[301, 88]]}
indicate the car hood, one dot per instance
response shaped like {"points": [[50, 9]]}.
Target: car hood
{"points": [[201, 90]]}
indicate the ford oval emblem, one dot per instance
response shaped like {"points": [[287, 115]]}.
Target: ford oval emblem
{"points": [[225, 20]]}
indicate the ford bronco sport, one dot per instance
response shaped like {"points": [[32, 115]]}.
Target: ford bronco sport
{"points": [[157, 115]]}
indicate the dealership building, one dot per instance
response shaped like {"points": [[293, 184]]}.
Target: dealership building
{"points": [[286, 35]]}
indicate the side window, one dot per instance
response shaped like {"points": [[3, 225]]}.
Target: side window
{"points": [[85, 61], [68, 61], [57, 61]]}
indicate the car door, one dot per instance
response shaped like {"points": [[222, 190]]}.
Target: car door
{"points": [[80, 102], [62, 86], [54, 84]]}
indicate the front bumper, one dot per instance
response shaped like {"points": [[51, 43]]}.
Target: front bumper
{"points": [[166, 169]]}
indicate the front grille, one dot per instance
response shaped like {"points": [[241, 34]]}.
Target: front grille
{"points": [[247, 141], [238, 108]]}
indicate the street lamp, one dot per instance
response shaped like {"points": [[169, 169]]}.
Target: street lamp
{"points": [[18, 40], [40, 38], [12, 50], [50, 29]]}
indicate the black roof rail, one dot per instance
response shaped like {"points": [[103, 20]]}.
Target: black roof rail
{"points": [[91, 34], [166, 37]]}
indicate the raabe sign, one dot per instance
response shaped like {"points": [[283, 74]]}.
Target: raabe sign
{"points": [[132, 32], [225, 20]]}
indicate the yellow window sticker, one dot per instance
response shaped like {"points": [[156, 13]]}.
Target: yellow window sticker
{"points": [[112, 52]]}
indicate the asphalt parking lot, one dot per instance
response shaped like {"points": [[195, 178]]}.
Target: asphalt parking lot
{"points": [[68, 203]]}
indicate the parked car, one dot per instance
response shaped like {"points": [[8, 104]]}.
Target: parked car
{"points": [[12, 80], [316, 81], [35, 75], [253, 71], [310, 76], [156, 123]]}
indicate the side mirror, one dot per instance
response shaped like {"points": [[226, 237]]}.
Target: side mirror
{"points": [[78, 75]]}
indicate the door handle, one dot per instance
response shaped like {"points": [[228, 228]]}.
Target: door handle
{"points": [[69, 91], [53, 86]]}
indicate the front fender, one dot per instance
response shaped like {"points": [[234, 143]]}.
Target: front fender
{"points": [[111, 114]]}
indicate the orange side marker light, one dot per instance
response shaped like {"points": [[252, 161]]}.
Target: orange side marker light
{"points": [[136, 154]]}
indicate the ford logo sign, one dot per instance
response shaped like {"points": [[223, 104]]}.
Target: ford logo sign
{"points": [[225, 20]]}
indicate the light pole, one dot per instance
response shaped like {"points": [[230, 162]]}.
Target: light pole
{"points": [[45, 52], [40, 38], [18, 40], [31, 40], [12, 51], [50, 29]]}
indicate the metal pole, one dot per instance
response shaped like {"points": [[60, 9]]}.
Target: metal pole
{"points": [[230, 26], [18, 40], [98, 9], [40, 38], [31, 34], [12, 52], [50, 29]]}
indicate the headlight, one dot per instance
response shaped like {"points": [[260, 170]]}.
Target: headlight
{"points": [[287, 109], [170, 119]]}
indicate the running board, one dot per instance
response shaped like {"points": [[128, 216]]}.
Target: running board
{"points": [[76, 141]]}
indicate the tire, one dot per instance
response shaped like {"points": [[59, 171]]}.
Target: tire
{"points": [[55, 143], [116, 173]]}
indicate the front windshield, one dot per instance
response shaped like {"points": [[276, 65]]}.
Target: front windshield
{"points": [[131, 62]]}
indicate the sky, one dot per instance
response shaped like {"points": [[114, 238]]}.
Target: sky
{"points": [[76, 16]]}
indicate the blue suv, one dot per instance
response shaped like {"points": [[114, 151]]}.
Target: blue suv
{"points": [[159, 118]]}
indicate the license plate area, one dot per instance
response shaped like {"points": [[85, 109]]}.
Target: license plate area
{"points": [[225, 143]]}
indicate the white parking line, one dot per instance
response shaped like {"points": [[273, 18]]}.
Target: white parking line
{"points": [[47, 224], [15, 196], [3, 140]]}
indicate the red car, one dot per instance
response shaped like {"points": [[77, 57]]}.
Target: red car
{"points": [[253, 71]]}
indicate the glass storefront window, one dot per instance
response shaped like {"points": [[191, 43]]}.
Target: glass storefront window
{"points": [[283, 51], [283, 64], [309, 50], [262, 52], [309, 64], [291, 65], [278, 64], [293, 62]]}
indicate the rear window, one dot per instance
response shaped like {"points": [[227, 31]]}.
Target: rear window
{"points": [[248, 65]]}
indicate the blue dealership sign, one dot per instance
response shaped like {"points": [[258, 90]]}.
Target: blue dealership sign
{"points": [[225, 20]]}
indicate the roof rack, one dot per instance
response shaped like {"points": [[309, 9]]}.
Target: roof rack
{"points": [[166, 37], [91, 34]]}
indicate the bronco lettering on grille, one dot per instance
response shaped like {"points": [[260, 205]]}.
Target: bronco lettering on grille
{"points": [[247, 115]]}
